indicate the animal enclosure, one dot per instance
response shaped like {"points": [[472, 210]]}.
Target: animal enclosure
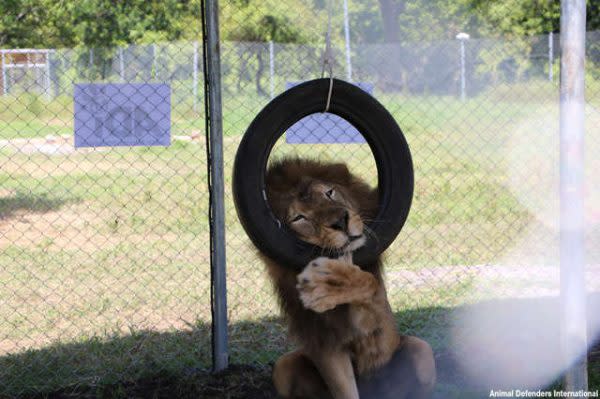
{"points": [[104, 252]]}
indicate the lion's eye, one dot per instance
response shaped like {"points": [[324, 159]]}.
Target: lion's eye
{"points": [[298, 218], [330, 193]]}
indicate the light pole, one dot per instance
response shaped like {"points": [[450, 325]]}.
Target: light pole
{"points": [[347, 37], [462, 36]]}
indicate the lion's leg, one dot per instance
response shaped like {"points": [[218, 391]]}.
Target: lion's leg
{"points": [[409, 374], [336, 369], [421, 357], [326, 283], [296, 376]]}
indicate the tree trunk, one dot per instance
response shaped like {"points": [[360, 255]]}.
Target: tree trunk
{"points": [[392, 76], [390, 10]]}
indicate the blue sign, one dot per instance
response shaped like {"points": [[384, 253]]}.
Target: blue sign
{"points": [[122, 114], [324, 127]]}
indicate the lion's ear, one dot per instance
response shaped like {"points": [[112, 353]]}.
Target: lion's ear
{"points": [[338, 173], [275, 178], [340, 169], [278, 203]]}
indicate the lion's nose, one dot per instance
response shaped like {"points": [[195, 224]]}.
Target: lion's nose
{"points": [[342, 223]]}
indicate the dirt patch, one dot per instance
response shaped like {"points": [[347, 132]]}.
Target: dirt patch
{"points": [[73, 227], [70, 164], [49, 145], [66, 227]]}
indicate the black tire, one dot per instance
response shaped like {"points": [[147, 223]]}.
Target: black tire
{"points": [[371, 119]]}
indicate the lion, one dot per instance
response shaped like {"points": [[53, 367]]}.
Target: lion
{"points": [[337, 312]]}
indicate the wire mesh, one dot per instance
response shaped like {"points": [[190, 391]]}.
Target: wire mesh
{"points": [[104, 271], [484, 222], [481, 116]]}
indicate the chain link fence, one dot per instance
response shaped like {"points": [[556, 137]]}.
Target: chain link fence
{"points": [[483, 130], [104, 255], [104, 251]]}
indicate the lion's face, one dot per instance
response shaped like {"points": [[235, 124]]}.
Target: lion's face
{"points": [[324, 214], [322, 203]]}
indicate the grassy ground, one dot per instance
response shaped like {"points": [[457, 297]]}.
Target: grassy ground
{"points": [[104, 277]]}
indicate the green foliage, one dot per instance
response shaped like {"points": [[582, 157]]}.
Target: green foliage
{"points": [[24, 23], [443, 19], [516, 17], [264, 20], [104, 23], [109, 23], [95, 23]]}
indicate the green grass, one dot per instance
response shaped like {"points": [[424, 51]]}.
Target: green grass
{"points": [[104, 254], [29, 116]]}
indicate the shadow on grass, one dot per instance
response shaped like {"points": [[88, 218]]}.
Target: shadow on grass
{"points": [[177, 363], [143, 364], [30, 202]]}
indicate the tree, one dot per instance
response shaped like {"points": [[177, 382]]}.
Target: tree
{"points": [[516, 17], [95, 23], [593, 15], [23, 23], [390, 12], [260, 21]]}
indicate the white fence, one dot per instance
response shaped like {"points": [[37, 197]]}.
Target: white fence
{"points": [[461, 67]]}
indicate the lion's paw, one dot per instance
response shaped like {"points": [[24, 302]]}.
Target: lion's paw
{"points": [[321, 283]]}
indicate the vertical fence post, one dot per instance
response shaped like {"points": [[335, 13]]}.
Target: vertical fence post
{"points": [[153, 72], [56, 69], [347, 37], [213, 54], [91, 64], [272, 68], [550, 56], [33, 62], [48, 89], [195, 77], [463, 84], [4, 77], [572, 251], [121, 64]]}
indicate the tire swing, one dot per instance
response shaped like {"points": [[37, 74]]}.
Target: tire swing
{"points": [[388, 145]]}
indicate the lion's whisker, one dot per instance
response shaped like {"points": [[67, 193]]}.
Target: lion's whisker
{"points": [[371, 220]]}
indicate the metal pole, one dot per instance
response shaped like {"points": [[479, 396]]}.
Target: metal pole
{"points": [[347, 36], [121, 64], [272, 68], [213, 51], [463, 85], [33, 63], [550, 56], [91, 64], [462, 71], [572, 251], [153, 72], [195, 77], [48, 71], [4, 77], [54, 78]]}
